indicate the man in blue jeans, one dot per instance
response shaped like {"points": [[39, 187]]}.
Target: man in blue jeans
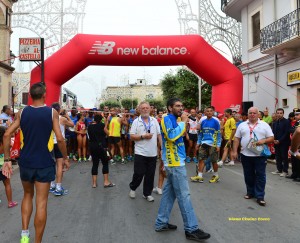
{"points": [[173, 156], [254, 165]]}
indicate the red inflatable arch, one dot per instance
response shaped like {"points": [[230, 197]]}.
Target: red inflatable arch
{"points": [[190, 50]]}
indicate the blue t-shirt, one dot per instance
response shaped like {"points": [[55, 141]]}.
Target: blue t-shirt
{"points": [[210, 133]]}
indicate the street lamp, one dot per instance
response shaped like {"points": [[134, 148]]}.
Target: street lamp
{"points": [[12, 58]]}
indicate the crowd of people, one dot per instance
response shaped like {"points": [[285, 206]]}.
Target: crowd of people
{"points": [[144, 135]]}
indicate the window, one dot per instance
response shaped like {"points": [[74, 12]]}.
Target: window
{"points": [[255, 29], [285, 103]]}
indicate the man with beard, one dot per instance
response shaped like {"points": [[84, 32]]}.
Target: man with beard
{"points": [[145, 132], [177, 187]]}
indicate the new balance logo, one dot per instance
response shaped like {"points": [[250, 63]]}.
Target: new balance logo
{"points": [[104, 48]]}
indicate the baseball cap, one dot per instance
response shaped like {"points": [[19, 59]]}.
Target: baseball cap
{"points": [[296, 111], [132, 111]]}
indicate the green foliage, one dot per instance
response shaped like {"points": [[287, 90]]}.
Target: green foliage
{"points": [[129, 103], [158, 103], [110, 104], [184, 85]]}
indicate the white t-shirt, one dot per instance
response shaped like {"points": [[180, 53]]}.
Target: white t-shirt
{"points": [[262, 130], [145, 147]]}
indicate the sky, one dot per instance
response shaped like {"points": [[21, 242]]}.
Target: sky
{"points": [[115, 17]]}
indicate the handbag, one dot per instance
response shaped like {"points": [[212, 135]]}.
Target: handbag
{"points": [[259, 150]]}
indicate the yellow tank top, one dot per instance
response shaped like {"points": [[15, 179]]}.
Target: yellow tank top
{"points": [[114, 127]]}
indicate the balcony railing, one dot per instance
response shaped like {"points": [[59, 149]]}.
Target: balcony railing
{"points": [[280, 31]]}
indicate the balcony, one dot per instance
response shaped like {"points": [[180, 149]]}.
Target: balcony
{"points": [[233, 8], [281, 35]]}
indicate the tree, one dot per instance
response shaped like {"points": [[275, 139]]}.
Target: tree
{"points": [[168, 86], [129, 103], [184, 85], [158, 103], [110, 104]]}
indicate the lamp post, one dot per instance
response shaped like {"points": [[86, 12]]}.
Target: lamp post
{"points": [[12, 58]]}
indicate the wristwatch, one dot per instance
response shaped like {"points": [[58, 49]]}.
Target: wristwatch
{"points": [[7, 160], [142, 137]]}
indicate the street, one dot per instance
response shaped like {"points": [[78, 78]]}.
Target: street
{"points": [[93, 215]]}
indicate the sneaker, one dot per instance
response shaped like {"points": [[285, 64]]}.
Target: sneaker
{"points": [[149, 198], [231, 163], [166, 228], [283, 174], [220, 163], [52, 189], [214, 179], [132, 194], [123, 161], [71, 155], [12, 204], [90, 158], [129, 158], [195, 160], [74, 158], [112, 162], [187, 159], [197, 179], [84, 159], [197, 235], [25, 239], [276, 172], [60, 192], [210, 170], [157, 190], [79, 160]]}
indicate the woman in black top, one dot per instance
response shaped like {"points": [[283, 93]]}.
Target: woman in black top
{"points": [[98, 150]]}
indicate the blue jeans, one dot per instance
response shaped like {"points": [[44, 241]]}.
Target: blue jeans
{"points": [[255, 175], [176, 187]]}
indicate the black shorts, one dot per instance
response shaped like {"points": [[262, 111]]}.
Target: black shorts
{"points": [[40, 175], [193, 137], [114, 140], [2, 177], [57, 153]]}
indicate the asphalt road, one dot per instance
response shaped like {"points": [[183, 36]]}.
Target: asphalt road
{"points": [[93, 215]]}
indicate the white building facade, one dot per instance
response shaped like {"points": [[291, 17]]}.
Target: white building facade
{"points": [[270, 51]]}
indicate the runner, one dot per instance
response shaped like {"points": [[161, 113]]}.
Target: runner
{"points": [[98, 147], [64, 120], [192, 136], [3, 178], [80, 129], [36, 164], [72, 137]]}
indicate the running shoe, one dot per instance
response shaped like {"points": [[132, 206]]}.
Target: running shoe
{"points": [[197, 179], [231, 163], [129, 158], [157, 190], [52, 189], [60, 192], [214, 179], [74, 157], [210, 170], [123, 161], [149, 198], [197, 235], [112, 162], [84, 159], [195, 160], [90, 158], [25, 239], [220, 163], [187, 159], [132, 194]]}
